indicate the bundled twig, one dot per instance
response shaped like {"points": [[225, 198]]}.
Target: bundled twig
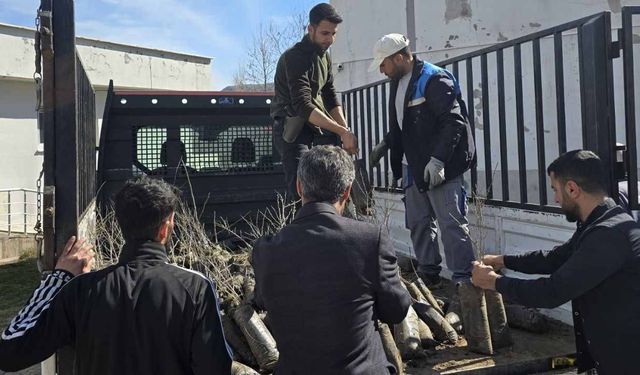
{"points": [[390, 348], [480, 235], [269, 221], [108, 235], [483, 313], [192, 248]]}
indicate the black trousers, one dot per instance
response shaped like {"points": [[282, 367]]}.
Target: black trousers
{"points": [[290, 152]]}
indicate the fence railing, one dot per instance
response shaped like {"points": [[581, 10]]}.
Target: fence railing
{"points": [[18, 210], [529, 100], [626, 37], [86, 127]]}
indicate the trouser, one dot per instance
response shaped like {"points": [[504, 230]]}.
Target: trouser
{"points": [[445, 204], [290, 152]]}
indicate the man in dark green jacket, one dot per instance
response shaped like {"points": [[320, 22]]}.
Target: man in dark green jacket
{"points": [[305, 109], [598, 269]]}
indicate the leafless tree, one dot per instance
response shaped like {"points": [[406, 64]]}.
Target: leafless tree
{"points": [[262, 56], [240, 78], [267, 44]]}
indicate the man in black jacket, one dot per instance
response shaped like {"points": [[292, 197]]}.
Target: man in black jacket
{"points": [[305, 109], [139, 316], [324, 279], [598, 269], [431, 147]]}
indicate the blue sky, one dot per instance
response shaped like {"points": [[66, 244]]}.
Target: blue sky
{"points": [[214, 28]]}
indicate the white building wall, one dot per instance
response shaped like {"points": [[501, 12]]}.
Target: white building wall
{"points": [[130, 67], [18, 140], [446, 28]]}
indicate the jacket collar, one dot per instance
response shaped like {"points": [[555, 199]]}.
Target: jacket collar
{"points": [[143, 250], [417, 68], [598, 213], [313, 208], [308, 46], [415, 72]]}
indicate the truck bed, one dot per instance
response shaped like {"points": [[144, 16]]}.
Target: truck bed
{"points": [[531, 353]]}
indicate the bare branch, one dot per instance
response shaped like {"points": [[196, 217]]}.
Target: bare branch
{"points": [[267, 44]]}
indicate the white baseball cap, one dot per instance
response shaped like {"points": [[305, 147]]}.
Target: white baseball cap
{"points": [[387, 46]]}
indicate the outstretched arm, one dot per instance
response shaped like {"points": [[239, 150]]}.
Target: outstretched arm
{"points": [[45, 323]]}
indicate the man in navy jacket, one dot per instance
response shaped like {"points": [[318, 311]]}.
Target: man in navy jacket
{"points": [[431, 146]]}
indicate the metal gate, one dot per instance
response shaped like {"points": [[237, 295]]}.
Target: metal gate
{"points": [[625, 37], [68, 121], [504, 86]]}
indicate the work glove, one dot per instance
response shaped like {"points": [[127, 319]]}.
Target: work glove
{"points": [[377, 153], [434, 173]]}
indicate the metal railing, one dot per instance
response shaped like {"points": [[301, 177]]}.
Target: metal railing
{"points": [[517, 128], [86, 128], [17, 213], [626, 37]]}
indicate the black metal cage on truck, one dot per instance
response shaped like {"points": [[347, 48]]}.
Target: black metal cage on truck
{"points": [[217, 147]]}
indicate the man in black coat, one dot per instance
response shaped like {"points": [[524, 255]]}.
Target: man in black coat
{"points": [[324, 279], [598, 269]]}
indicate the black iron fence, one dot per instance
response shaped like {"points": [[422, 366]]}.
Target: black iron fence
{"points": [[530, 99], [86, 128], [626, 39]]}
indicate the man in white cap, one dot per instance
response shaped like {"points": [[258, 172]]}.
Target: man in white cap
{"points": [[431, 147]]}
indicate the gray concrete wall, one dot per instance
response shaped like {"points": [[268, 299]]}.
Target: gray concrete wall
{"points": [[15, 246]]}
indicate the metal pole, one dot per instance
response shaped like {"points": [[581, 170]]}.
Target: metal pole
{"points": [[9, 211], [629, 105], [24, 194]]}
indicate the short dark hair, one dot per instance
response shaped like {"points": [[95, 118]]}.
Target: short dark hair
{"points": [[142, 205], [325, 173], [582, 166], [324, 11]]}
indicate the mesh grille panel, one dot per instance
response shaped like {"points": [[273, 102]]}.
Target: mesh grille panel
{"points": [[149, 142], [216, 149]]}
